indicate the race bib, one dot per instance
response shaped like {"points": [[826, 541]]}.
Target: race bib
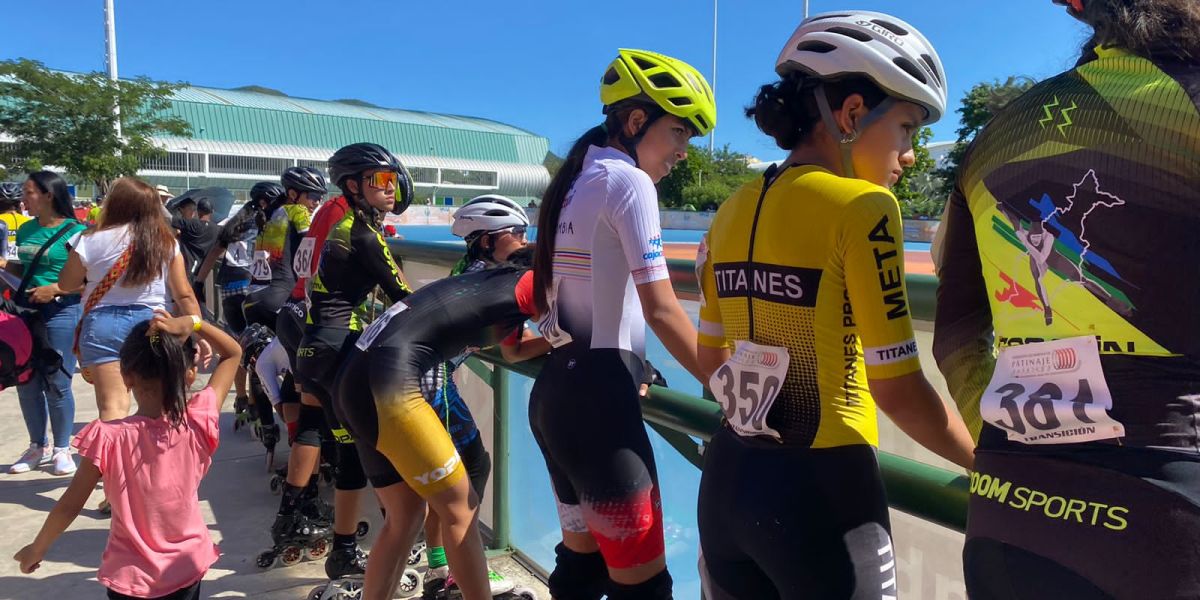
{"points": [[368, 336], [11, 250], [548, 325], [261, 269], [302, 262], [747, 385], [1051, 393], [238, 255]]}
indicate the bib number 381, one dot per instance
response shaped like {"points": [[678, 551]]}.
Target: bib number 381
{"points": [[747, 385], [1051, 393]]}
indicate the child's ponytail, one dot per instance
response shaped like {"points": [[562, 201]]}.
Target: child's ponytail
{"points": [[164, 358]]}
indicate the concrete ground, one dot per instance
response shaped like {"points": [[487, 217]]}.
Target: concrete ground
{"points": [[235, 496]]}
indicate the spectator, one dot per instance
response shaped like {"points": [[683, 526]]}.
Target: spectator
{"points": [[48, 398], [135, 248]]}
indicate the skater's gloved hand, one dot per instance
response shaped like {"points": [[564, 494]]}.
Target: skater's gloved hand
{"points": [[650, 376], [30, 558]]}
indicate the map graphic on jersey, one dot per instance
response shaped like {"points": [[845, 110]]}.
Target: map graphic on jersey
{"points": [[1056, 242]]}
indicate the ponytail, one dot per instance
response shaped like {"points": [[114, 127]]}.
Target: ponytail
{"points": [[161, 358], [552, 202]]}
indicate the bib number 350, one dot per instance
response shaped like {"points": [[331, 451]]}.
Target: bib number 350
{"points": [[747, 385], [1051, 393]]}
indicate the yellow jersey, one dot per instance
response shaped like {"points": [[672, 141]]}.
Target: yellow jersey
{"points": [[813, 263]]}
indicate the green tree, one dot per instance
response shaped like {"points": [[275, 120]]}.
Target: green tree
{"points": [[67, 120], [553, 163], [704, 180], [978, 107], [917, 196]]}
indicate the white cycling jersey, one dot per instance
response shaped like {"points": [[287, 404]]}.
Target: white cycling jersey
{"points": [[608, 240]]}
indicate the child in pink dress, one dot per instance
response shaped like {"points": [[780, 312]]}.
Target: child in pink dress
{"points": [[151, 463]]}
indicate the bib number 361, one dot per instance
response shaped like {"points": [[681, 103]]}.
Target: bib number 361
{"points": [[1051, 393], [747, 385]]}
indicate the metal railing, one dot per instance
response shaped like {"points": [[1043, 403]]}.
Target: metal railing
{"points": [[927, 492]]}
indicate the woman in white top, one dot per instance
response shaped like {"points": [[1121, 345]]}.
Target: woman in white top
{"points": [[600, 278], [132, 215]]}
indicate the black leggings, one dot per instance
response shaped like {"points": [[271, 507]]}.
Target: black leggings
{"points": [[785, 522], [262, 305], [191, 592], [321, 352], [586, 417]]}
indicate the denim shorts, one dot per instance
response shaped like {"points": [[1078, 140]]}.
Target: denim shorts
{"points": [[105, 329]]}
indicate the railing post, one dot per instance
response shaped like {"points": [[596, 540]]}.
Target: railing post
{"points": [[500, 461]]}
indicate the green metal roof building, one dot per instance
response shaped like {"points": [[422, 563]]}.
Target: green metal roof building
{"points": [[241, 137]]}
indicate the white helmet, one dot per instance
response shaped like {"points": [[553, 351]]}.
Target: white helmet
{"points": [[881, 47], [487, 213]]}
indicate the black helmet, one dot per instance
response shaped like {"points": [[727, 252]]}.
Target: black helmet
{"points": [[305, 179], [10, 192], [253, 340], [364, 156], [268, 191]]}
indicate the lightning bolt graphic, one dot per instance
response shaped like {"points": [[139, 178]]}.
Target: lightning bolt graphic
{"points": [[1049, 115], [1067, 117]]}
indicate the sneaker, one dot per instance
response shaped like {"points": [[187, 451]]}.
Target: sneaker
{"points": [[499, 584], [34, 457], [64, 463]]}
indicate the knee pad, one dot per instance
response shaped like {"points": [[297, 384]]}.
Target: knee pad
{"points": [[577, 576], [350, 475], [309, 425], [655, 588]]}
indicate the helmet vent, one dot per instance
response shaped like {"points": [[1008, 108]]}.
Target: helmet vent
{"points": [[703, 122], [909, 67], [856, 34], [681, 101], [611, 77], [643, 64], [890, 26], [823, 17], [815, 46], [928, 60], [664, 80]]}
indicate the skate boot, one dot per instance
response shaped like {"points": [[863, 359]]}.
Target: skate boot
{"points": [[346, 562], [296, 537], [501, 588], [321, 512], [269, 434]]}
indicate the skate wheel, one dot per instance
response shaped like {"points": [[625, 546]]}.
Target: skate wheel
{"points": [[316, 593], [265, 560], [362, 529], [525, 593], [318, 550], [291, 556], [414, 555], [276, 486], [410, 583]]}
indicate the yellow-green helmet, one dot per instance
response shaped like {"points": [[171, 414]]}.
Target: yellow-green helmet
{"points": [[668, 82]]}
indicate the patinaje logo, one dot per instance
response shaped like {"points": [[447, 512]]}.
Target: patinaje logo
{"points": [[752, 359], [1038, 364]]}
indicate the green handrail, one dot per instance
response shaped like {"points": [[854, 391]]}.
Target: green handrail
{"points": [[931, 493]]}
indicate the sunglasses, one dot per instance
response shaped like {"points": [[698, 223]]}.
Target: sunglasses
{"points": [[380, 179], [518, 230], [315, 196]]}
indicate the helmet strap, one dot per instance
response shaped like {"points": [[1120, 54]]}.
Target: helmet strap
{"points": [[846, 140]]}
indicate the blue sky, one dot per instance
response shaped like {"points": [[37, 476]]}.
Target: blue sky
{"points": [[531, 63]]}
